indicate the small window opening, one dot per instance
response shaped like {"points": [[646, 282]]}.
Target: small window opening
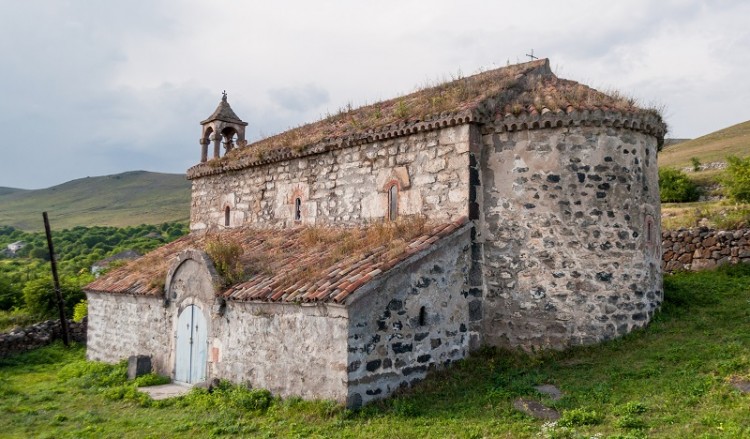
{"points": [[393, 202], [226, 217], [297, 209], [422, 316], [649, 230]]}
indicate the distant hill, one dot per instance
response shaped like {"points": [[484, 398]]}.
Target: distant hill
{"points": [[10, 190], [713, 147], [120, 200], [672, 142]]}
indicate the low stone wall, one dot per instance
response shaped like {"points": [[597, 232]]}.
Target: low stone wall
{"points": [[39, 335], [702, 248]]}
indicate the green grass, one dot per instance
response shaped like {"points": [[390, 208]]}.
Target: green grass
{"points": [[722, 215], [17, 318], [669, 380], [121, 200]]}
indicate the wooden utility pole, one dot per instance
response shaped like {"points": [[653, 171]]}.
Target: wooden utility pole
{"points": [[58, 293]]}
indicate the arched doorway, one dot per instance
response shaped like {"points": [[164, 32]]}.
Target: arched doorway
{"points": [[192, 346]]}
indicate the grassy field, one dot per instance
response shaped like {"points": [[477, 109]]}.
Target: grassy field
{"points": [[671, 380], [721, 214], [714, 147], [120, 200]]}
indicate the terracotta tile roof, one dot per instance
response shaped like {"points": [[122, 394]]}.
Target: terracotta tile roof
{"points": [[301, 264], [527, 89], [143, 276]]}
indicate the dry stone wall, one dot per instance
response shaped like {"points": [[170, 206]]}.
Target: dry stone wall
{"points": [[343, 186], [570, 231], [35, 336], [413, 322], [702, 248]]}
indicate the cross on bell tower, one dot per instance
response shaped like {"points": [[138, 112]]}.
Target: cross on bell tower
{"points": [[222, 124]]}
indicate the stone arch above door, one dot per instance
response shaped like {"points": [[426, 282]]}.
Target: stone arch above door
{"points": [[192, 276]]}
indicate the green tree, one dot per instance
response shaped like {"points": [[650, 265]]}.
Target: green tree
{"points": [[676, 187], [40, 299], [736, 179], [39, 253], [696, 164], [9, 295]]}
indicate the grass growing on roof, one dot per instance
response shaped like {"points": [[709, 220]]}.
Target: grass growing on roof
{"points": [[672, 379], [510, 89], [299, 254]]}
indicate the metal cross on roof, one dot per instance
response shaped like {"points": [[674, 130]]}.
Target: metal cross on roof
{"points": [[224, 94], [531, 55]]}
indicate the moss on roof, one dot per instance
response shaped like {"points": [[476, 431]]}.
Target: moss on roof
{"points": [[299, 264]]}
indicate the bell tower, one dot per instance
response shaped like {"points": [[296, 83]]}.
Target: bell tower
{"points": [[224, 125]]}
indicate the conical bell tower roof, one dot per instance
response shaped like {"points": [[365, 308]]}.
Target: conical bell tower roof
{"points": [[224, 113]]}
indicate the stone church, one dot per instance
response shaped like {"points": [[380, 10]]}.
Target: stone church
{"points": [[347, 258]]}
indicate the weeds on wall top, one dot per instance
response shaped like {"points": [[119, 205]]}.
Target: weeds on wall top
{"points": [[226, 258], [513, 89]]}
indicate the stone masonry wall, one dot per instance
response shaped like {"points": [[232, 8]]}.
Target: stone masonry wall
{"points": [[289, 349], [41, 334], [122, 325], [570, 231], [702, 248], [343, 186], [414, 321]]}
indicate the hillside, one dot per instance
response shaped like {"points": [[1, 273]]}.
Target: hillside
{"points": [[120, 200], [10, 190], [713, 147], [711, 151]]}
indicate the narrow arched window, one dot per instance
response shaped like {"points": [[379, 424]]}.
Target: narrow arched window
{"points": [[297, 209], [422, 316], [393, 202], [226, 216]]}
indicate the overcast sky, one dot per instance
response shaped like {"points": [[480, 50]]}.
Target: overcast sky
{"points": [[101, 87]]}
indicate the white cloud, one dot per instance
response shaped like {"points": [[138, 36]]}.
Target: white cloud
{"points": [[101, 87]]}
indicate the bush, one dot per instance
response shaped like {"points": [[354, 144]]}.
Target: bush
{"points": [[676, 187], [736, 179], [40, 299], [696, 163], [226, 396], [88, 374], [80, 311], [151, 379], [15, 318], [577, 417], [9, 295], [226, 258]]}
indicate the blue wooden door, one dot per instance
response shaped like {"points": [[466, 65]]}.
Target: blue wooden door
{"points": [[192, 346]]}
